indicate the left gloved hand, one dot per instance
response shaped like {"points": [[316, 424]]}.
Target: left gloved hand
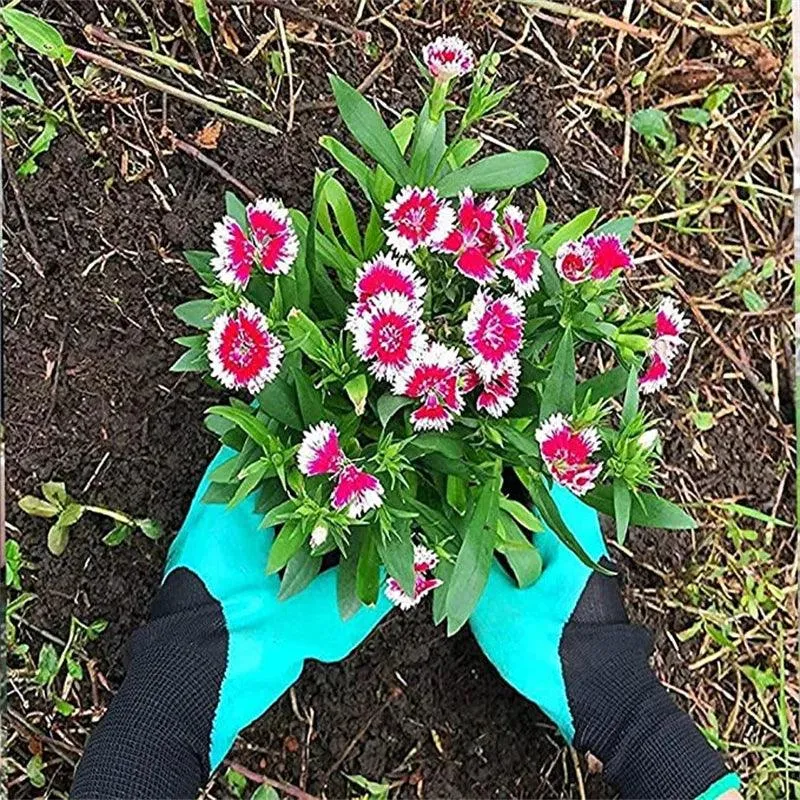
{"points": [[566, 644], [220, 649]]}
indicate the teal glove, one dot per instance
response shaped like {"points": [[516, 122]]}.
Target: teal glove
{"points": [[219, 651], [565, 643]]}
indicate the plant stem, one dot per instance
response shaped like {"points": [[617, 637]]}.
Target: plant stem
{"points": [[160, 86], [117, 516]]}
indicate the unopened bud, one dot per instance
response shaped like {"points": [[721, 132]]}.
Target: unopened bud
{"points": [[319, 535], [648, 439]]}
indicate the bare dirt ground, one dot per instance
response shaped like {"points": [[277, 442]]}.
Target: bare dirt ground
{"points": [[93, 267]]}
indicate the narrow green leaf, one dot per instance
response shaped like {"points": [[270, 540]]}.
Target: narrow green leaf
{"points": [[630, 405], [495, 173], [351, 163], [345, 216], [367, 572], [36, 507], [39, 35], [444, 572], [558, 392], [356, 389], [457, 494], [309, 398], [523, 558], [201, 16], [197, 313], [521, 514], [389, 404], [253, 427], [288, 542], [278, 400], [194, 360], [647, 510], [552, 517], [200, 262], [235, 208], [397, 554], [622, 508], [346, 596], [571, 230], [301, 569], [622, 227], [606, 384], [369, 129], [474, 558]]}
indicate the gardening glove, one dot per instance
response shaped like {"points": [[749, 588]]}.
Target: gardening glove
{"points": [[566, 644], [219, 650]]}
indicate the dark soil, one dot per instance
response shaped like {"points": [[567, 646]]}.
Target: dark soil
{"points": [[88, 347]]}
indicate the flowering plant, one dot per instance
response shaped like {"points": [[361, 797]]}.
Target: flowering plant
{"points": [[409, 377]]}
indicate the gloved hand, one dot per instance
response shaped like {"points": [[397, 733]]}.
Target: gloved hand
{"points": [[219, 650], [566, 644]]}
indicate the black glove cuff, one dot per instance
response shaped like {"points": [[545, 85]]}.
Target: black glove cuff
{"points": [[625, 717]]}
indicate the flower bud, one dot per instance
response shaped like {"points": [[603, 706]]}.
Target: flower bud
{"points": [[319, 535], [648, 439]]}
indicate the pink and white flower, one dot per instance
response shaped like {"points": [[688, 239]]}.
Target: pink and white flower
{"points": [[574, 262], [417, 218], [270, 243], [242, 351], [658, 370], [433, 377], [493, 330], [448, 57], [609, 255], [235, 253], [385, 273], [671, 323], [320, 452], [424, 562], [357, 491], [520, 262], [273, 234], [388, 333], [567, 452], [476, 238], [498, 394]]}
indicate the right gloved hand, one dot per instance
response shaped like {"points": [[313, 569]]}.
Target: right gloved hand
{"points": [[566, 644]]}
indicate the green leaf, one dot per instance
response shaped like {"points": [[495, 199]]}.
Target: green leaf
{"points": [[441, 443], [537, 219], [351, 163], [300, 571], [428, 146], [457, 494], [39, 35], [193, 360], [280, 513], [253, 427], [495, 173], [345, 216], [346, 596], [308, 336], [474, 558], [397, 554], [622, 227], [287, 543], [444, 572], [695, 116], [356, 389], [200, 262], [278, 400], [201, 16], [367, 572], [311, 230], [570, 231], [309, 397], [36, 507], [630, 405], [655, 127], [13, 75], [151, 528], [552, 518], [369, 129], [235, 208], [521, 514], [57, 539], [389, 404], [265, 792], [41, 144], [463, 151], [117, 535], [606, 384], [622, 508], [197, 313], [648, 510], [70, 515], [523, 558], [558, 392]]}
